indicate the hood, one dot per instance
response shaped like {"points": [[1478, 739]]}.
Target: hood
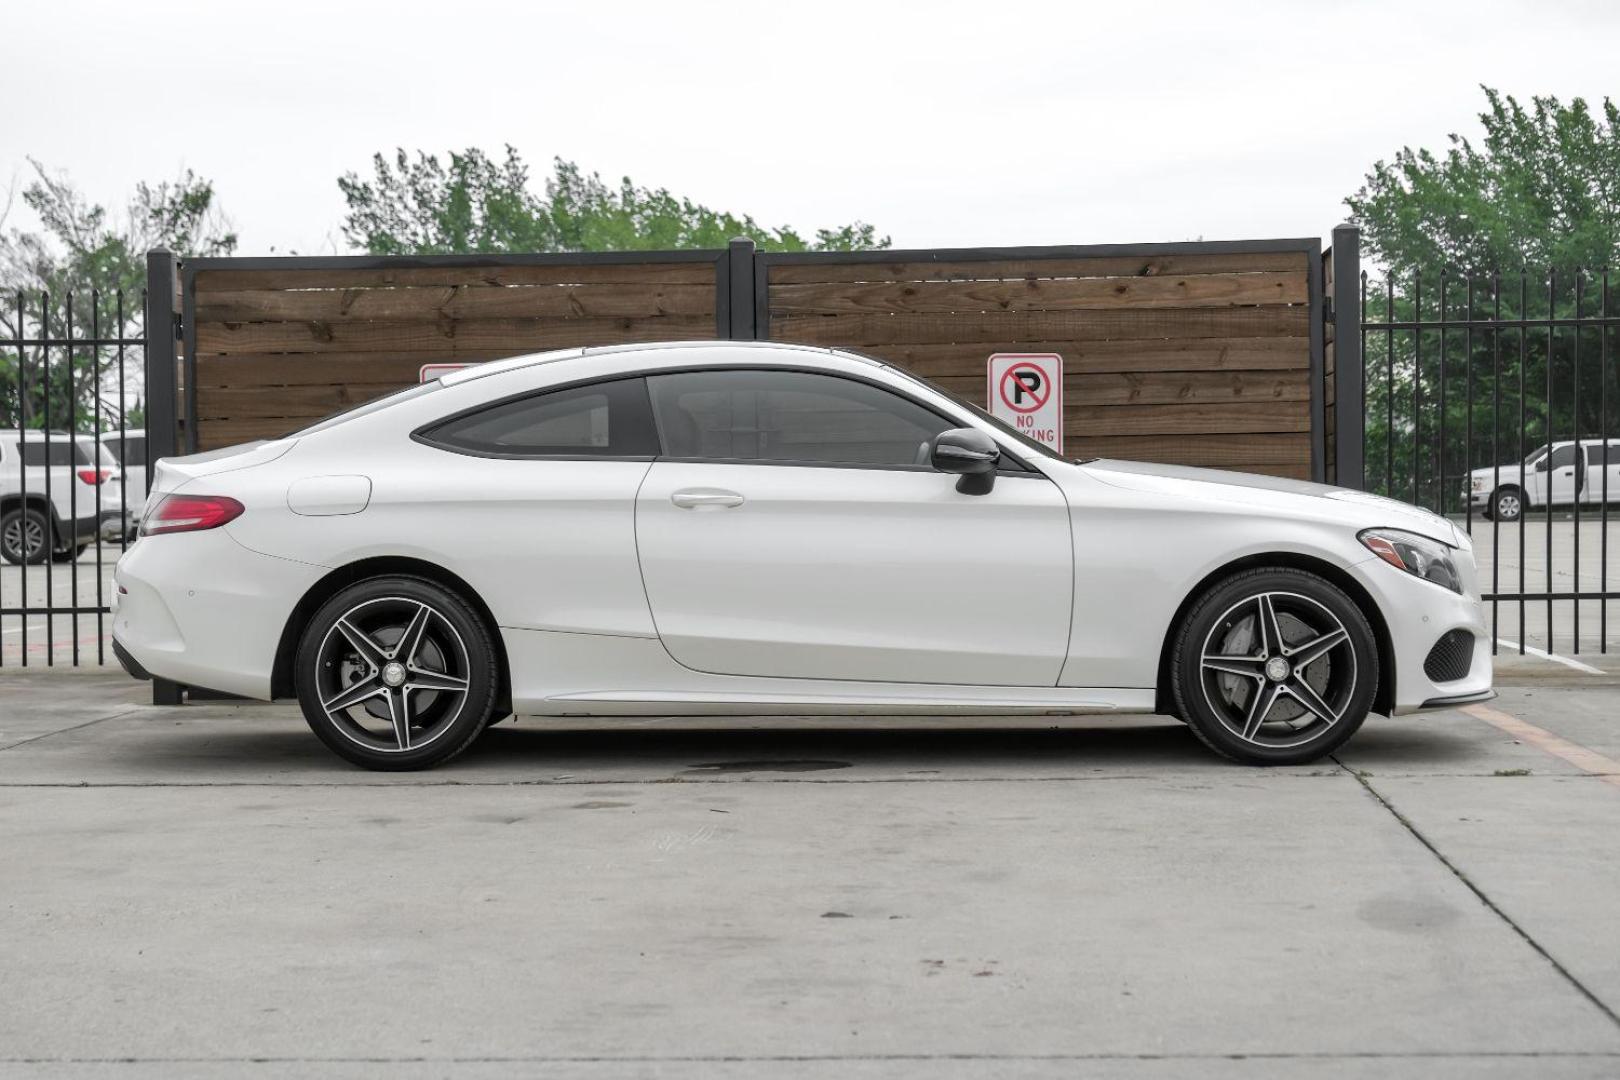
{"points": [[171, 473], [1273, 493], [1512, 468]]}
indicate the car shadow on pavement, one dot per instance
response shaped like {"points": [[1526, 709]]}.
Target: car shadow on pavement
{"points": [[236, 744]]}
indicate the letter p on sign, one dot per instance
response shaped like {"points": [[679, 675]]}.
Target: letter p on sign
{"points": [[1026, 391]]}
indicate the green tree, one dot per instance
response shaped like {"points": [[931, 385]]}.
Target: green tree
{"points": [[1517, 227], [1541, 189], [420, 206], [88, 258]]}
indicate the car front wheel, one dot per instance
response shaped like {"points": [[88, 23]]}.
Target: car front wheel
{"points": [[397, 673], [1507, 504], [1274, 667]]}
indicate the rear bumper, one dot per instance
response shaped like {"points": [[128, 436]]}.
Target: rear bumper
{"points": [[129, 663], [202, 610]]}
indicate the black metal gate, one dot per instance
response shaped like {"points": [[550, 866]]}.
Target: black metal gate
{"points": [[1488, 399], [71, 381]]}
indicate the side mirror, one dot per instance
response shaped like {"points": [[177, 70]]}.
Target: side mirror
{"points": [[969, 454]]}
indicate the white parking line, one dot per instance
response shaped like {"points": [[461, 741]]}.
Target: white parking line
{"points": [[1554, 657], [19, 629]]}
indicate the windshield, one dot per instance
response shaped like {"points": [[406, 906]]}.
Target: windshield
{"points": [[374, 405]]}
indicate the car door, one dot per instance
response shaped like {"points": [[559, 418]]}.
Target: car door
{"points": [[794, 529], [1565, 474], [1601, 463]]}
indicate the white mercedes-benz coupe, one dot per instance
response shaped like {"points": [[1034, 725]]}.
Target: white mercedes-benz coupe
{"points": [[724, 528]]}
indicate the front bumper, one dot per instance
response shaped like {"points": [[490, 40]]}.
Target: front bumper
{"points": [[1417, 614]]}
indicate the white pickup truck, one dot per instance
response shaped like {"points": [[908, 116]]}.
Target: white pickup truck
{"points": [[1570, 472], [57, 491]]}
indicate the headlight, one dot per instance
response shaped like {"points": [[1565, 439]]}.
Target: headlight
{"points": [[1417, 555], [1478, 483]]}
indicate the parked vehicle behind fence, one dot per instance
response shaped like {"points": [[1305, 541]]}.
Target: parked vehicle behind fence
{"points": [[129, 449], [57, 491], [1588, 474]]}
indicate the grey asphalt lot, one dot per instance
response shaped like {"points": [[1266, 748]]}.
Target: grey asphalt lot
{"points": [[206, 891]]}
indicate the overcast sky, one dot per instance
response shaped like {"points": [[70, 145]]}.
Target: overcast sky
{"points": [[942, 123]]}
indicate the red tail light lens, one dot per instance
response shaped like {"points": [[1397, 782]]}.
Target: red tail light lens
{"points": [[95, 477], [190, 513]]}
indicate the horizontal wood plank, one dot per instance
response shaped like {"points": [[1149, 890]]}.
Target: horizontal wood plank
{"points": [[999, 327], [270, 369], [1104, 420], [993, 269], [454, 302], [1038, 294], [213, 434], [695, 273], [1158, 388], [243, 403], [1191, 354], [1208, 451], [445, 338]]}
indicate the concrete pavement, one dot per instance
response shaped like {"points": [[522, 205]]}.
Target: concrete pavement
{"points": [[206, 891]]}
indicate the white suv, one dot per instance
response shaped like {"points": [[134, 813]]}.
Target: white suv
{"points": [[57, 491], [1571, 473], [128, 448]]}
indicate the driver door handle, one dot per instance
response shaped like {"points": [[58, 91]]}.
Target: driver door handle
{"points": [[700, 498]]}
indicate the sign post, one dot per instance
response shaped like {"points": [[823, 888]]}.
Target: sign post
{"points": [[1026, 391]]}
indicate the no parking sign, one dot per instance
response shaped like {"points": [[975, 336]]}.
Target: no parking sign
{"points": [[1026, 390]]}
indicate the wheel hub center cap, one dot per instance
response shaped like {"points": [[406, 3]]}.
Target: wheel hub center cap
{"points": [[393, 673], [1277, 669]]}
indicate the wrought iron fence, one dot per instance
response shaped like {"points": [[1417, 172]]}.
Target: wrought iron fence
{"points": [[72, 468], [1487, 397]]}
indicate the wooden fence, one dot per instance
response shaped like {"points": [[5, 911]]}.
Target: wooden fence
{"points": [[1198, 354], [277, 348], [1188, 358]]}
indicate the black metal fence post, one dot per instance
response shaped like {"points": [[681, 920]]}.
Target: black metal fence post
{"points": [[162, 391], [1349, 425], [740, 289]]}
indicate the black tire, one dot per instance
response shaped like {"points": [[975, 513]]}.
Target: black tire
{"points": [[25, 527], [68, 554], [1312, 692], [445, 685], [1507, 504]]}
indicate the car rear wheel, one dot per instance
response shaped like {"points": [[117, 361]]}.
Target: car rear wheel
{"points": [[1274, 667], [397, 673], [24, 536]]}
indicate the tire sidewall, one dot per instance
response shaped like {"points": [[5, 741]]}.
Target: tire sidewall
{"points": [[1496, 504], [483, 675], [1187, 673], [20, 556]]}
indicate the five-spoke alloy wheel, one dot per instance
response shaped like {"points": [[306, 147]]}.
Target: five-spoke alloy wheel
{"points": [[1275, 667], [397, 673]]}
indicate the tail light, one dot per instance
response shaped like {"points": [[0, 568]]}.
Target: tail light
{"points": [[190, 513], [95, 477]]}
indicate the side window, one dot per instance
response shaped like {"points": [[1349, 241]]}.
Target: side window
{"points": [[37, 452], [1562, 457], [608, 419], [134, 450], [790, 416]]}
